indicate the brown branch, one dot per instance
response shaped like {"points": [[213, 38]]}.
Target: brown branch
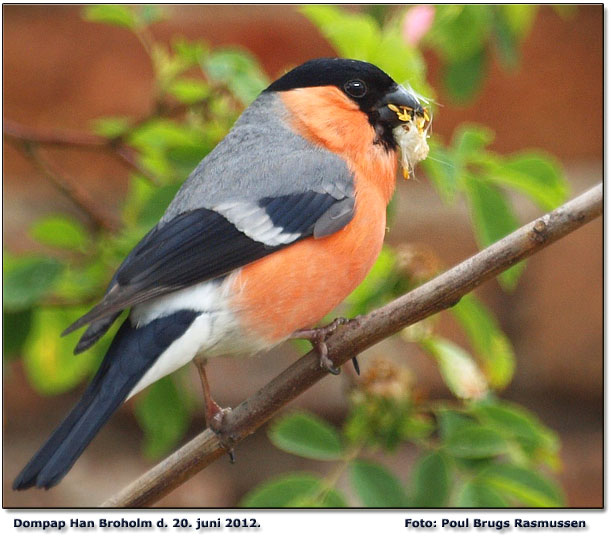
{"points": [[433, 296]]}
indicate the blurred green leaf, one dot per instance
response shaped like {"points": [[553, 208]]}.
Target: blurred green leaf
{"points": [[157, 204], [450, 421], [523, 485], [191, 52], [28, 280], [115, 15], [470, 140], [535, 174], [293, 490], [376, 486], [189, 90], [476, 495], [111, 126], [474, 441], [464, 78], [163, 416], [457, 367], [151, 14], [460, 32], [492, 219], [517, 423], [306, 435], [15, 330], [238, 70], [431, 481], [491, 345], [442, 169], [48, 358], [519, 17], [60, 231]]}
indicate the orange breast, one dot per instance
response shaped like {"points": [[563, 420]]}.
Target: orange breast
{"points": [[294, 288]]}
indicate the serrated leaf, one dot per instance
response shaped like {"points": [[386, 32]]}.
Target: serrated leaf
{"points": [[27, 280], [473, 494], [308, 436], [491, 345], [492, 219], [61, 231], [163, 416], [523, 485], [376, 486], [48, 358], [474, 441], [115, 15], [293, 490], [431, 481]]}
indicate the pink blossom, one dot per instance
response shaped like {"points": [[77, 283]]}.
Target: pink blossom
{"points": [[417, 22]]}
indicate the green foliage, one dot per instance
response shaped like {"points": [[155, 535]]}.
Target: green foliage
{"points": [[27, 280], [60, 231], [163, 415], [481, 454]]}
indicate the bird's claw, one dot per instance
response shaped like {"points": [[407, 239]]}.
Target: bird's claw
{"points": [[317, 338]]}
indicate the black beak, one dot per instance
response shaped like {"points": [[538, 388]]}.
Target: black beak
{"points": [[399, 106]]}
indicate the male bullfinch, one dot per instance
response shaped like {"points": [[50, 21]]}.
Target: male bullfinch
{"points": [[271, 231]]}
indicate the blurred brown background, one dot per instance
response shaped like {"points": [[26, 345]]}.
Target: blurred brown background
{"points": [[62, 72]]}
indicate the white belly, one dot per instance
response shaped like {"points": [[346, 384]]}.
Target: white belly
{"points": [[214, 332]]}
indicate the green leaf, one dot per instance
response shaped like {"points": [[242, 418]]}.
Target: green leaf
{"points": [[476, 495], [534, 174], [151, 14], [15, 330], [442, 169], [470, 140], [519, 18], [60, 231], [450, 421], [189, 90], [464, 78], [475, 441], [457, 368], [492, 219], [431, 481], [376, 486], [517, 423], [491, 345], [163, 416], [238, 70], [523, 485], [112, 126], [308, 436], [115, 15], [28, 280], [293, 490], [48, 358]]}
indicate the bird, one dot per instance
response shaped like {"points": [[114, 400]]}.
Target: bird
{"points": [[267, 235]]}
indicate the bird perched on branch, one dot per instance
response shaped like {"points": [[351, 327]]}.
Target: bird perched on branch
{"points": [[272, 230]]}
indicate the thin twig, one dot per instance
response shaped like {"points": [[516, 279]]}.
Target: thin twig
{"points": [[438, 294], [70, 189]]}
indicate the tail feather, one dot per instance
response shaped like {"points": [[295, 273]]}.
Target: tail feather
{"points": [[131, 354]]}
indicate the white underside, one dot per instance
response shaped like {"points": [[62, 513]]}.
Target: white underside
{"points": [[214, 332]]}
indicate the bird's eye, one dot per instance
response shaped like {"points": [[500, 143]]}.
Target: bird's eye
{"points": [[356, 88]]}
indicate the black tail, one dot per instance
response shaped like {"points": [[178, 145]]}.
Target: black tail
{"points": [[131, 354]]}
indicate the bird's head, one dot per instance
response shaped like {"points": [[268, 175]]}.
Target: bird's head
{"points": [[398, 118]]}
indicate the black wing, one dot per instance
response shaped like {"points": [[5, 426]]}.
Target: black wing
{"points": [[203, 244]]}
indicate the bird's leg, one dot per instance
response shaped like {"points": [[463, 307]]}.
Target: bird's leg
{"points": [[213, 412], [317, 338]]}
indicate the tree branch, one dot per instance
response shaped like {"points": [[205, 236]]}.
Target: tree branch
{"points": [[438, 294]]}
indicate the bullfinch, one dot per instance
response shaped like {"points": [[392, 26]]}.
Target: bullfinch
{"points": [[271, 231]]}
